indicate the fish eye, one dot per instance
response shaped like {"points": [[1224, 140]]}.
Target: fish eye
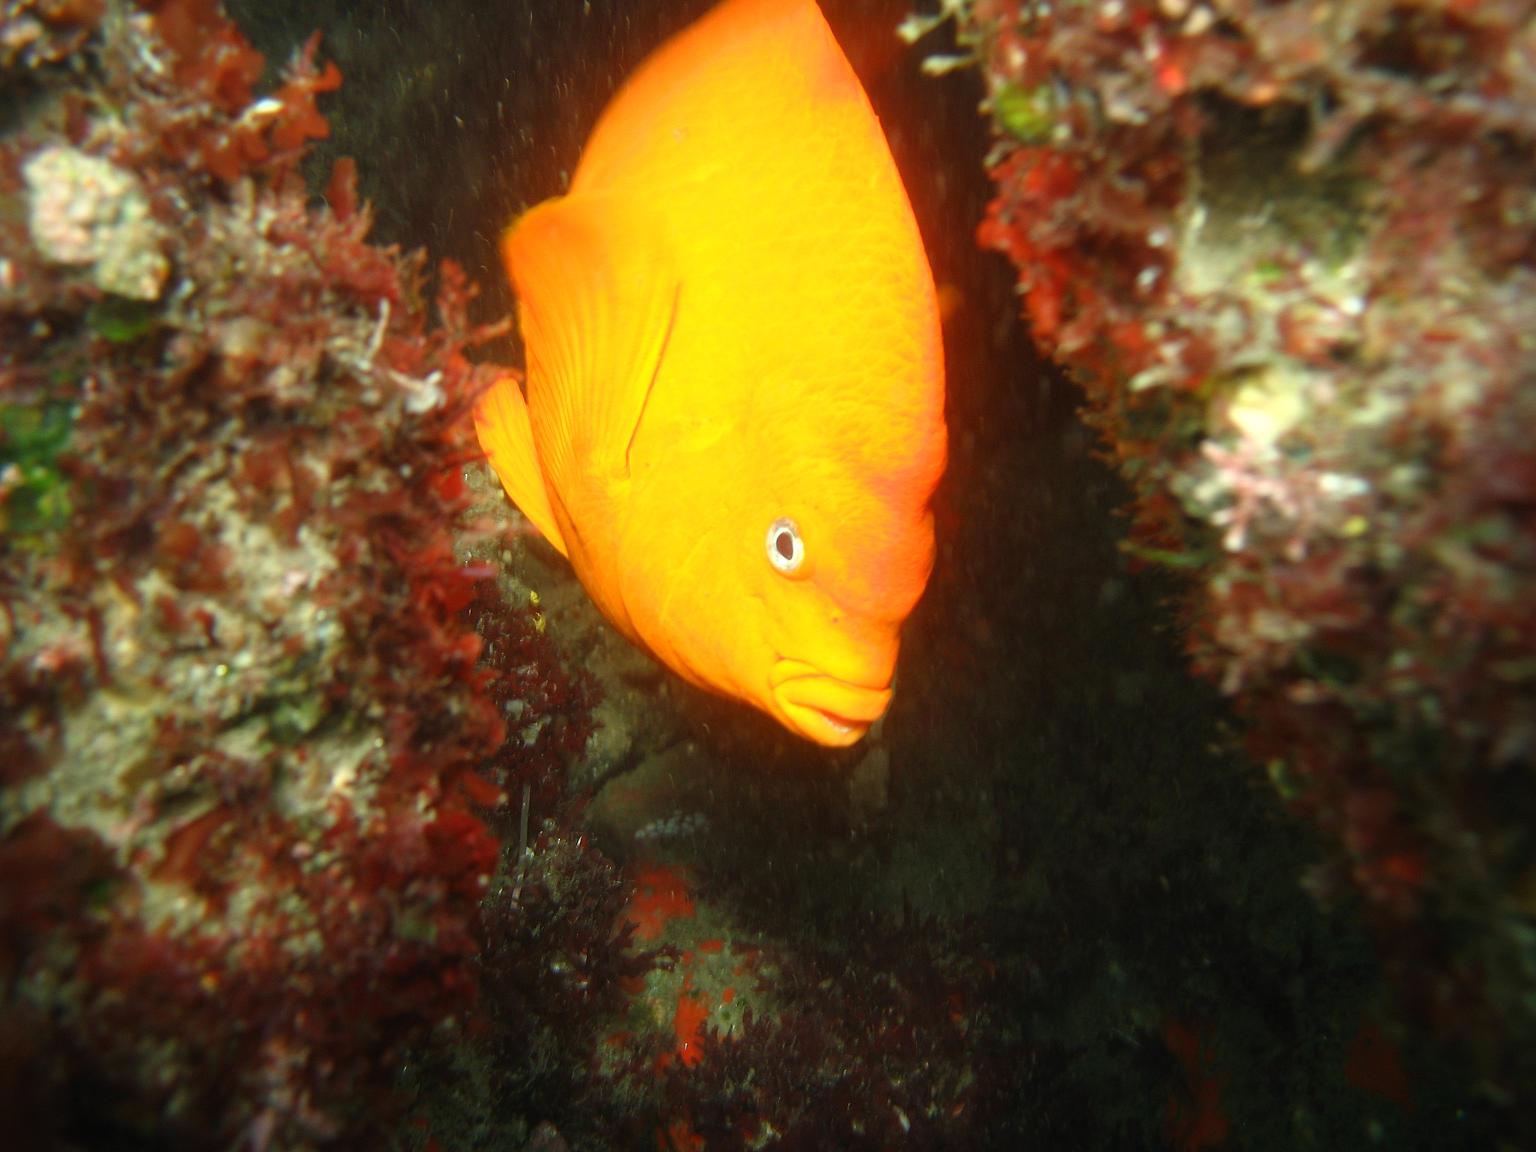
{"points": [[785, 551]]}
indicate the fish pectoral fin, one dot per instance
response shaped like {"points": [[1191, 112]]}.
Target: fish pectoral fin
{"points": [[501, 422], [651, 336], [597, 301]]}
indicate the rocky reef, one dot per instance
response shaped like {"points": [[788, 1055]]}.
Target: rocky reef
{"points": [[331, 814], [241, 837], [1289, 250]]}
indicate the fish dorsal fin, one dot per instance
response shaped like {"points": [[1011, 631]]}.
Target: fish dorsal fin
{"points": [[596, 300], [501, 422]]}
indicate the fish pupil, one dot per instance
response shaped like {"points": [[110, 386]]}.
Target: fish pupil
{"points": [[783, 543]]}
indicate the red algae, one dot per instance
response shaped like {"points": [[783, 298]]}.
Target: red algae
{"points": [[661, 894], [688, 1023], [1288, 253], [243, 841]]}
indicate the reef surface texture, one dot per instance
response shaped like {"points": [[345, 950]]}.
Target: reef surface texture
{"points": [[1289, 251], [240, 868]]}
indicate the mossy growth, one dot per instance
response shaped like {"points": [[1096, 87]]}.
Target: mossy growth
{"points": [[34, 495], [1029, 114], [119, 320]]}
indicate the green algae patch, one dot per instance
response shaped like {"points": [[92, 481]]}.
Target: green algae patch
{"points": [[34, 495]]}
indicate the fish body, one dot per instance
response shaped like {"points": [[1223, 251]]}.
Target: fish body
{"points": [[733, 416]]}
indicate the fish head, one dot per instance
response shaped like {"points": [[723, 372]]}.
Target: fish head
{"points": [[833, 598], [848, 445], [788, 595]]}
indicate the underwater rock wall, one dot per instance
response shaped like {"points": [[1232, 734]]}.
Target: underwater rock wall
{"points": [[1289, 251], [252, 774], [241, 855]]}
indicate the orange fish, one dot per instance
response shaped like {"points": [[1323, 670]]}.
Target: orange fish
{"points": [[733, 419]]}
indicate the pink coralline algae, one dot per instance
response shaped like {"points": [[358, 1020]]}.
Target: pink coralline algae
{"points": [[241, 843], [1289, 252]]}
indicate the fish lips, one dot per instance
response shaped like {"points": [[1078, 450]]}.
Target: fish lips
{"points": [[823, 708]]}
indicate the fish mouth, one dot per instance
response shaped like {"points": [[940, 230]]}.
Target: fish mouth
{"points": [[831, 712]]}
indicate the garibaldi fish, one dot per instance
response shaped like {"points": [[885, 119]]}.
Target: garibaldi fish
{"points": [[733, 418]]}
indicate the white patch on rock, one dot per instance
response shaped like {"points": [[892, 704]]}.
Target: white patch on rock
{"points": [[85, 211]]}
